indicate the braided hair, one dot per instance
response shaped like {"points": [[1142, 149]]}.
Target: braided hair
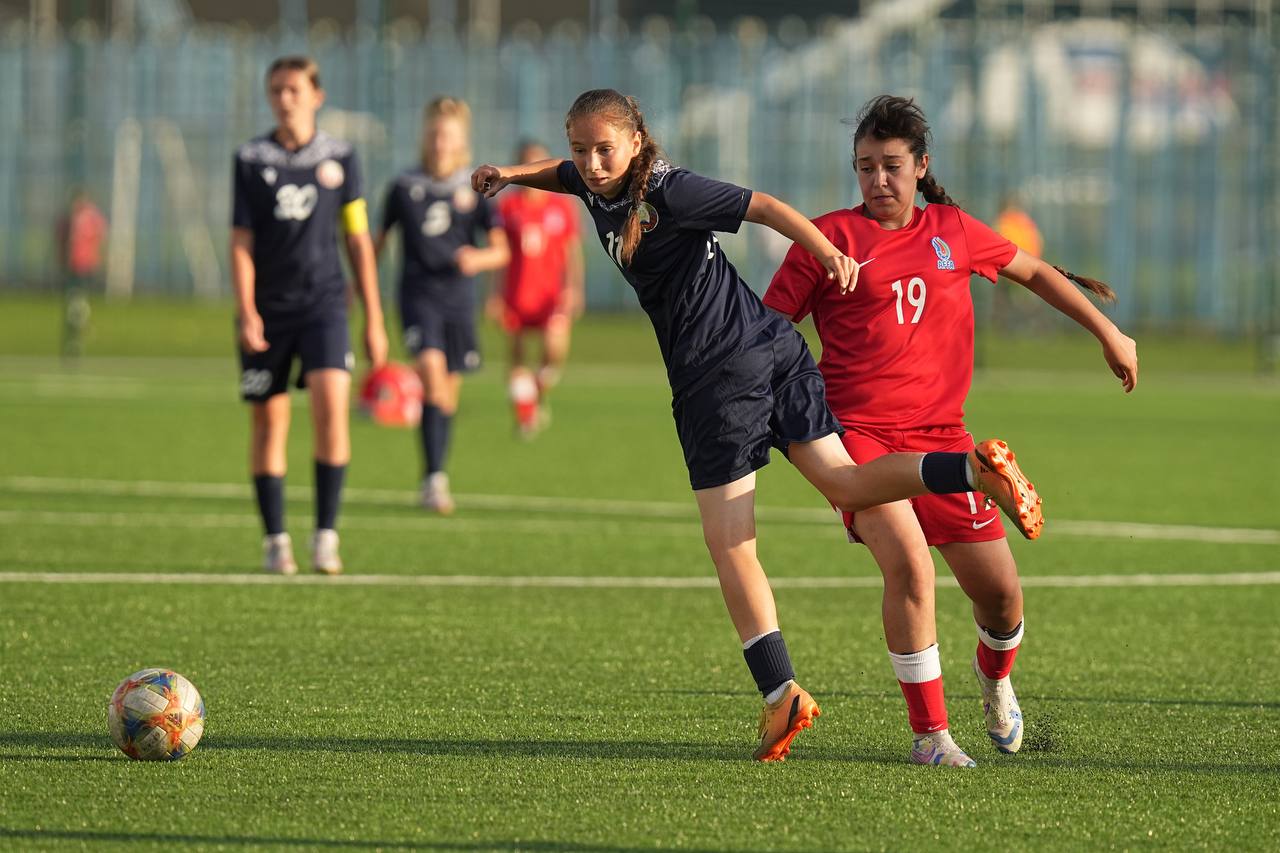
{"points": [[893, 117], [623, 112]]}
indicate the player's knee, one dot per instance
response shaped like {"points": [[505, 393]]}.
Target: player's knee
{"points": [[909, 580], [1004, 600]]}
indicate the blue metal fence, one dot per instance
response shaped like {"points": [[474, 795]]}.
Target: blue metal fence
{"points": [[1146, 155]]}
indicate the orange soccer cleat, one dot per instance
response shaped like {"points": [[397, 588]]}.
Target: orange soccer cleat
{"points": [[782, 720], [1004, 484]]}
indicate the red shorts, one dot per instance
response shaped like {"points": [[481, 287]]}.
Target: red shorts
{"points": [[943, 518], [524, 320]]}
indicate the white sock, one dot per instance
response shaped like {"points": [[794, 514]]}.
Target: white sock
{"points": [[917, 667]]}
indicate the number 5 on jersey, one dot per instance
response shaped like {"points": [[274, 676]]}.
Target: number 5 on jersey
{"points": [[915, 294]]}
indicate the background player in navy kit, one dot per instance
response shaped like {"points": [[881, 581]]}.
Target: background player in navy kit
{"points": [[291, 188], [441, 222], [742, 379]]}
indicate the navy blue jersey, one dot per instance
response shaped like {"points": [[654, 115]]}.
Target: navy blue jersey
{"points": [[291, 201], [436, 218], [701, 309]]}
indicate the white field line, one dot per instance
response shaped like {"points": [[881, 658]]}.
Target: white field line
{"points": [[594, 506], [422, 524], [595, 582]]}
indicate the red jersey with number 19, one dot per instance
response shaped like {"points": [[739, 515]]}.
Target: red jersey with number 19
{"points": [[897, 352]]}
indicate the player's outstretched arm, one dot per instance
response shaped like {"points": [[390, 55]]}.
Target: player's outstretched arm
{"points": [[540, 175], [789, 222], [1045, 281], [361, 254], [252, 337], [473, 260]]}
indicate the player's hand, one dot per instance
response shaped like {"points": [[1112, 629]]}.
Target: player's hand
{"points": [[375, 344], [252, 337], [488, 179], [468, 260], [1121, 353], [843, 270]]}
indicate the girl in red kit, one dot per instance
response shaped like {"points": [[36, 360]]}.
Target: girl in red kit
{"points": [[897, 357], [541, 293]]}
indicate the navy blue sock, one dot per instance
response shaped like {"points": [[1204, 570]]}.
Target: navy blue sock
{"points": [[769, 662], [435, 429], [328, 494], [270, 492], [945, 473]]}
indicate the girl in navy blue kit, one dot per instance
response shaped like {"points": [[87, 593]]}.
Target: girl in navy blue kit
{"points": [[742, 378], [292, 189], [442, 223]]}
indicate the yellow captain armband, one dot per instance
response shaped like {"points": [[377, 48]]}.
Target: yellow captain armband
{"points": [[355, 217]]}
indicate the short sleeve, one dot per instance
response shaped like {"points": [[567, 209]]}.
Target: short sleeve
{"points": [[390, 210], [567, 174], [353, 183], [988, 251], [794, 284], [241, 208], [701, 204]]}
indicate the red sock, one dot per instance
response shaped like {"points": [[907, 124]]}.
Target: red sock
{"points": [[926, 705], [920, 677], [996, 654]]}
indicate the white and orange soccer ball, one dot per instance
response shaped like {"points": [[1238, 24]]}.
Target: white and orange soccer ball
{"points": [[156, 715]]}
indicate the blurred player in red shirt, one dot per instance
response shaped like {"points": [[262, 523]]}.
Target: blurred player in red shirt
{"points": [[80, 236], [897, 357], [542, 291]]}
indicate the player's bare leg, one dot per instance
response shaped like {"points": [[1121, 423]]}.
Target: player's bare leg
{"points": [[892, 533], [269, 435], [729, 529], [988, 574], [440, 402], [990, 469], [330, 406], [555, 351], [522, 388]]}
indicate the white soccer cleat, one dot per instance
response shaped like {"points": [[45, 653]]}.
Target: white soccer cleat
{"points": [[324, 552], [435, 494], [938, 749], [277, 554], [1000, 707]]}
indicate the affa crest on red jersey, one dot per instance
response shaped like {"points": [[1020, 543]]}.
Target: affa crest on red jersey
{"points": [[943, 251]]}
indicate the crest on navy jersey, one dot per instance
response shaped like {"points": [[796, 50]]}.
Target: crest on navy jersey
{"points": [[329, 174], [648, 217], [417, 192], [943, 251], [269, 175]]}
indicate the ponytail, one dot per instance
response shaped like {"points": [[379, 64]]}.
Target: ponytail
{"points": [[933, 191], [1100, 290], [641, 169]]}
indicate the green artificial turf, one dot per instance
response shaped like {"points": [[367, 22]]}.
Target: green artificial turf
{"points": [[423, 715]]}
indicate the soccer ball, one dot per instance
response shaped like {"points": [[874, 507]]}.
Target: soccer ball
{"points": [[156, 715], [392, 396]]}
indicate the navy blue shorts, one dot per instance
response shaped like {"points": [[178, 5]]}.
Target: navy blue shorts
{"points": [[768, 395], [323, 342], [427, 327]]}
